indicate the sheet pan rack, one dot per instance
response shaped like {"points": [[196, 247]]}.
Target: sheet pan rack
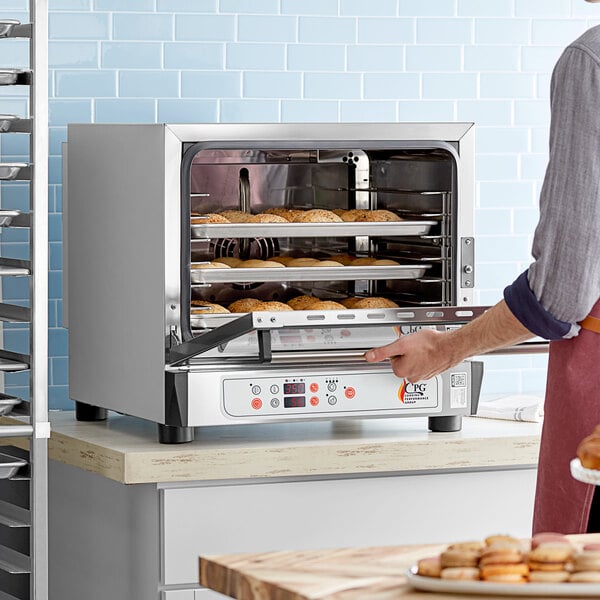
{"points": [[24, 466]]}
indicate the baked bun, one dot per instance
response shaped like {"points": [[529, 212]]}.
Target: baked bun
{"points": [[374, 303], [339, 212], [209, 218], [273, 306], [267, 219], [244, 305], [350, 302], [209, 265], [363, 261], [377, 216], [255, 263], [301, 302], [350, 216], [384, 262], [303, 262], [343, 259], [328, 263], [199, 307], [231, 261], [235, 216], [588, 451], [288, 214], [318, 215], [325, 305], [284, 260]]}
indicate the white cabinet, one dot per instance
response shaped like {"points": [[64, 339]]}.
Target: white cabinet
{"points": [[143, 542]]}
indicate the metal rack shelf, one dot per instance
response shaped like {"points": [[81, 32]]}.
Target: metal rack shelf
{"points": [[24, 503]]}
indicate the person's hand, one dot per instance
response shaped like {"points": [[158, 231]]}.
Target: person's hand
{"points": [[417, 356]]}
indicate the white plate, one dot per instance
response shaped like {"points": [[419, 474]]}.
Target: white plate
{"points": [[489, 588], [582, 474]]}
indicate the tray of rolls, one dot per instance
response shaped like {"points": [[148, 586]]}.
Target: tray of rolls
{"points": [[283, 222], [233, 270], [548, 565]]}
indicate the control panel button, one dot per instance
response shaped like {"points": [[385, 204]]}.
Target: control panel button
{"points": [[314, 387], [350, 392], [314, 401], [256, 390], [274, 389], [256, 403], [331, 387], [274, 402], [332, 400]]}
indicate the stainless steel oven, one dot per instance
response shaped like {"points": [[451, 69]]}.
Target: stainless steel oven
{"points": [[220, 274]]}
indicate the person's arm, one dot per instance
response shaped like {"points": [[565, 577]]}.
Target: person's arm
{"points": [[426, 353]]}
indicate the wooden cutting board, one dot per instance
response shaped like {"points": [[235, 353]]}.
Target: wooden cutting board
{"points": [[348, 574]]}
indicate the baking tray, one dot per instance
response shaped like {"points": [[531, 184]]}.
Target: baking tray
{"points": [[290, 230], [9, 465], [341, 273], [11, 170], [7, 122], [6, 217], [490, 588], [7, 26], [7, 404], [13, 76]]}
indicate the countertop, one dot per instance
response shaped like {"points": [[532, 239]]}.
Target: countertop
{"points": [[346, 574], [126, 449]]}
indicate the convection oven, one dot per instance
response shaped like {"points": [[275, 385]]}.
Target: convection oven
{"points": [[221, 274]]}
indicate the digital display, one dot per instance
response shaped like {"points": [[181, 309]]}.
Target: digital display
{"points": [[293, 388], [294, 401]]}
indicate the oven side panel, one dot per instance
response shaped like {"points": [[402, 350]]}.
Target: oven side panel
{"points": [[116, 262]]}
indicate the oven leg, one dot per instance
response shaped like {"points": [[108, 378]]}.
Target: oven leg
{"points": [[171, 434], [453, 423], [87, 412]]}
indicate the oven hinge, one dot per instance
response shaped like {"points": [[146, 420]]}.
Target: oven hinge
{"points": [[467, 262]]}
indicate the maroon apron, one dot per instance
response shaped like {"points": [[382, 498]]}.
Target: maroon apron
{"points": [[571, 411]]}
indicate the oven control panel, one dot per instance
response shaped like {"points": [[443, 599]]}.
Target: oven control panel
{"points": [[322, 393]]}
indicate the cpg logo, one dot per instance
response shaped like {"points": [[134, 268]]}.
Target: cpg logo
{"points": [[411, 393]]}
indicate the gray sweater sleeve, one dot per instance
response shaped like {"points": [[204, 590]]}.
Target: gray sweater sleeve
{"points": [[565, 274]]}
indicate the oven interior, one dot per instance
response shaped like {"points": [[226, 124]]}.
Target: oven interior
{"points": [[416, 184]]}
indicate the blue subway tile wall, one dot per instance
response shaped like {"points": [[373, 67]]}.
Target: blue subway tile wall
{"points": [[301, 61]]}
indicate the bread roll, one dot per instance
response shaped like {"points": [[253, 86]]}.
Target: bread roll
{"points": [[377, 216], [328, 263], [301, 302], [267, 219], [384, 262], [244, 305], [199, 307], [284, 260], [209, 218], [280, 211], [352, 215], [374, 302], [208, 265], [350, 302], [325, 305], [235, 216], [339, 212], [272, 264], [303, 262], [318, 215], [343, 259], [272, 306], [363, 261], [228, 260], [253, 263]]}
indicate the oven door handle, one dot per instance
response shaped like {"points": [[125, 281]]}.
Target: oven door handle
{"points": [[221, 335]]}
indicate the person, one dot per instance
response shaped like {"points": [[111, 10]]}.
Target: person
{"points": [[556, 298]]}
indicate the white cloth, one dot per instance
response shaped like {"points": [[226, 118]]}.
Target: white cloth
{"points": [[512, 408]]}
